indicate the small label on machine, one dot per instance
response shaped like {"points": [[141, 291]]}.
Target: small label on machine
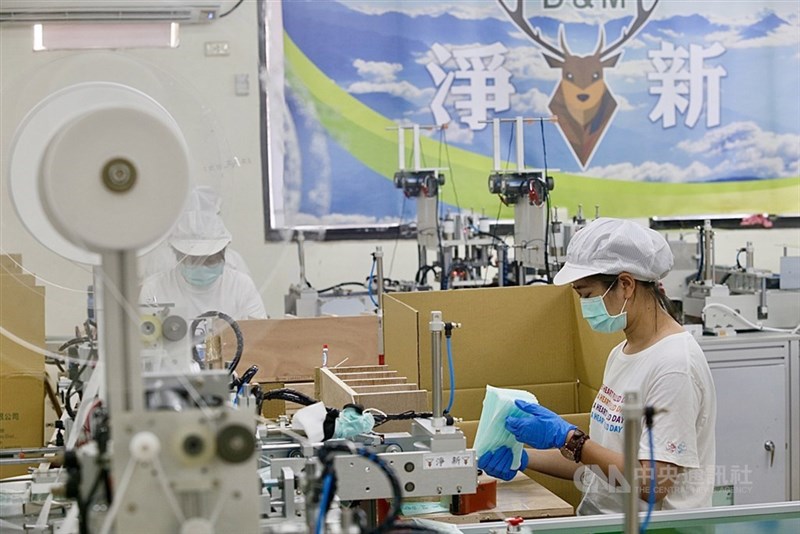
{"points": [[446, 461]]}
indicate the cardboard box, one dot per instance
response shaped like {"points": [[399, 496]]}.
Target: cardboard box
{"points": [[530, 338], [288, 350], [21, 369]]}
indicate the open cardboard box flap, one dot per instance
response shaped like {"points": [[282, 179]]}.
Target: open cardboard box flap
{"points": [[21, 369]]}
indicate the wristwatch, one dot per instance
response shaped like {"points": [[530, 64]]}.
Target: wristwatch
{"points": [[574, 446]]}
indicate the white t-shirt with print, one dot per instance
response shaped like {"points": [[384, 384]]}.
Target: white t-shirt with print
{"points": [[673, 375]]}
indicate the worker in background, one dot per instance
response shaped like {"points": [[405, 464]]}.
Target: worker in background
{"points": [[201, 280], [614, 266], [162, 258]]}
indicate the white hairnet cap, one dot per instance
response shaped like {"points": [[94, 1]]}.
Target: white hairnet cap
{"points": [[200, 233], [204, 198], [613, 246]]}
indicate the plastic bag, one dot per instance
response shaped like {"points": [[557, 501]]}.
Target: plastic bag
{"points": [[492, 434]]}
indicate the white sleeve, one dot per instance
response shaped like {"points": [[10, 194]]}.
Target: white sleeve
{"points": [[251, 305], [674, 431]]}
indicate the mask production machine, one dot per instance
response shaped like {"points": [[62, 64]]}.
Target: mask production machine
{"points": [[182, 457]]}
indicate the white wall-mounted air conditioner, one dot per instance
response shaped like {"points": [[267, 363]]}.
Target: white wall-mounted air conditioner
{"points": [[38, 11]]}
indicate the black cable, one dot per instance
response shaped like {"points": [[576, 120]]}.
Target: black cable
{"points": [[231, 10], [343, 284], [547, 206], [326, 456], [74, 341], [739, 253], [236, 331], [246, 377], [421, 278], [68, 403], [404, 416], [442, 279], [701, 263], [290, 395]]}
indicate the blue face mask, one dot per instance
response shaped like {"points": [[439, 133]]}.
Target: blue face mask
{"points": [[202, 275], [596, 314]]}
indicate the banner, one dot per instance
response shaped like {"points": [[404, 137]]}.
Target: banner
{"points": [[663, 108]]}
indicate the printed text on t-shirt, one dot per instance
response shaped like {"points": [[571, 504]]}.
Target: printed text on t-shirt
{"points": [[607, 410]]}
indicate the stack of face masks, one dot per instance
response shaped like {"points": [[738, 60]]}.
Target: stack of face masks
{"points": [[492, 434]]}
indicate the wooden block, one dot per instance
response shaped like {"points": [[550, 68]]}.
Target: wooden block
{"points": [[361, 376], [359, 369], [384, 388], [377, 381], [394, 402], [331, 390]]}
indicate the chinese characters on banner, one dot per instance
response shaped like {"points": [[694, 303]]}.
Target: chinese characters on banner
{"points": [[667, 95]]}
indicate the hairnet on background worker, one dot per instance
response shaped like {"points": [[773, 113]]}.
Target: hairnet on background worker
{"points": [[614, 266], [202, 280], [162, 258]]}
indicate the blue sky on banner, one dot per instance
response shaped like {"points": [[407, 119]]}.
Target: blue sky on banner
{"points": [[735, 114]]}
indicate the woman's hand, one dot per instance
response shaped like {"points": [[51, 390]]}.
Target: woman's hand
{"points": [[542, 429], [497, 463]]}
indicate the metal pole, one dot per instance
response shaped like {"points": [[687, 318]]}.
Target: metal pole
{"points": [[520, 145], [379, 274], [120, 333], [437, 327], [301, 255], [632, 427], [415, 131], [379, 269], [496, 144], [708, 252], [401, 148]]}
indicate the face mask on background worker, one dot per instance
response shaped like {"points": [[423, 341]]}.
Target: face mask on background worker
{"points": [[202, 275], [200, 239]]}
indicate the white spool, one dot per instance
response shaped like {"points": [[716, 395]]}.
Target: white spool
{"points": [[66, 140], [145, 447]]}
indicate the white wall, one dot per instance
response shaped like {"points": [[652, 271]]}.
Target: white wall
{"points": [[221, 128]]}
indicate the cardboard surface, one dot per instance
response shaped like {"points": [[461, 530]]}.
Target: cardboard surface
{"points": [[528, 329], [21, 369], [288, 350]]}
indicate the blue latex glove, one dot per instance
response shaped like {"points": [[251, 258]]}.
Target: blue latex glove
{"points": [[543, 430], [498, 463]]}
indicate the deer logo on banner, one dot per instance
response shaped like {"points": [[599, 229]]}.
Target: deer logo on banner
{"points": [[582, 101]]}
